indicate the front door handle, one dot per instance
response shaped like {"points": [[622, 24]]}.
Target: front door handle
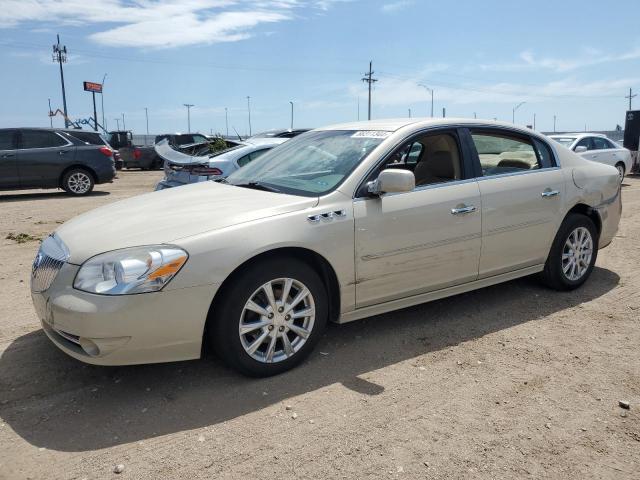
{"points": [[8, 155], [463, 209], [550, 193], [62, 152]]}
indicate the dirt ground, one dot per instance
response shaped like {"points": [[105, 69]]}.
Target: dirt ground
{"points": [[511, 381]]}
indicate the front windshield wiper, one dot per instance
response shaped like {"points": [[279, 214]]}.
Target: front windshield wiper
{"points": [[257, 186]]}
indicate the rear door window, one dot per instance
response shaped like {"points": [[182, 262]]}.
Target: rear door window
{"points": [[500, 153], [7, 139], [251, 157], [41, 139], [600, 143]]}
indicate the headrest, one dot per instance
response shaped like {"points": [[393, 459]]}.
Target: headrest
{"points": [[514, 163], [440, 164]]}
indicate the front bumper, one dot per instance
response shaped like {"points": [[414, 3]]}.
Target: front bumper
{"points": [[155, 327]]}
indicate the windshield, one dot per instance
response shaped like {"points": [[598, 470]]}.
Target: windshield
{"points": [[566, 141], [311, 164]]}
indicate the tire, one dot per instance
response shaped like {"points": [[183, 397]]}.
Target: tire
{"points": [[621, 170], [229, 313], [78, 182], [558, 272]]}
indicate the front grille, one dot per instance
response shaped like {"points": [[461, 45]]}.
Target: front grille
{"points": [[48, 262]]}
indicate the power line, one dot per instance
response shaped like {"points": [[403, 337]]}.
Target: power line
{"points": [[368, 78]]}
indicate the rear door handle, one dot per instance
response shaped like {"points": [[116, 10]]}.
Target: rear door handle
{"points": [[462, 210], [8, 155], [550, 193], [62, 152]]}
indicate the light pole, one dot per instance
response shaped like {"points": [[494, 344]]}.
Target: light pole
{"points": [[428, 90], [513, 118], [124, 125], [117, 123], [146, 115], [554, 124], [291, 115], [249, 110], [409, 113], [226, 119], [188, 105], [104, 123]]}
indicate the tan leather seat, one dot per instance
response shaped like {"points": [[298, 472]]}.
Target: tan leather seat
{"points": [[435, 168]]}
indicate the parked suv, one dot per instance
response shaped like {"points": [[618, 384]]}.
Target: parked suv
{"points": [[95, 138], [52, 158]]}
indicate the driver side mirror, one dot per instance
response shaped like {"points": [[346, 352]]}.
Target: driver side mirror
{"points": [[580, 149], [392, 180]]}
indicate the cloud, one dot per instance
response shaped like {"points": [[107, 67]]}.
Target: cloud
{"points": [[159, 23], [404, 92], [589, 57], [396, 6]]}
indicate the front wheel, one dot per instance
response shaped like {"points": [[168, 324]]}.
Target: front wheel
{"points": [[77, 182], [270, 317], [573, 253]]}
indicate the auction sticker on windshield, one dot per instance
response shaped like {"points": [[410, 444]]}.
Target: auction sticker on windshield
{"points": [[371, 134]]}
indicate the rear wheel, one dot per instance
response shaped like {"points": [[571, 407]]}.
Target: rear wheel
{"points": [[573, 253], [78, 181], [270, 318], [621, 170]]}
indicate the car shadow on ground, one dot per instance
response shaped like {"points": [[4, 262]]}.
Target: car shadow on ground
{"points": [[56, 402], [45, 195]]}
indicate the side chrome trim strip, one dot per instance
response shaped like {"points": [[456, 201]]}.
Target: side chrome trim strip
{"points": [[424, 246]]}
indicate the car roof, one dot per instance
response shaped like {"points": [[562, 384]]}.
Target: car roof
{"points": [[577, 135], [394, 124]]}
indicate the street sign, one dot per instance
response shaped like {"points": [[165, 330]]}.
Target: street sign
{"points": [[92, 87]]}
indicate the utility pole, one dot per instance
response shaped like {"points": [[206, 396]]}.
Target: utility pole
{"points": [[631, 96], [124, 126], [428, 89], [444, 112], [368, 78], [146, 114], [249, 110], [474, 115], [554, 124], [60, 56], [117, 123], [291, 115], [104, 124], [188, 105], [513, 118], [226, 119], [50, 114], [534, 121], [358, 108], [409, 113]]}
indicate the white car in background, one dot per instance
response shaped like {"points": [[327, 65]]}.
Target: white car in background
{"points": [[182, 169], [597, 148]]}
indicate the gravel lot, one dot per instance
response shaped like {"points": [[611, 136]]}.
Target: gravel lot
{"points": [[512, 381]]}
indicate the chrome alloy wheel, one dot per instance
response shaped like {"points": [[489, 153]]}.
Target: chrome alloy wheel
{"points": [[79, 183], [277, 320], [577, 253]]}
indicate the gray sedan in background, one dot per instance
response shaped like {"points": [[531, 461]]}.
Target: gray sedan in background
{"points": [[182, 169]]}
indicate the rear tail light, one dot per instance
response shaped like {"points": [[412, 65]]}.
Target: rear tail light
{"points": [[206, 171], [106, 151], [137, 153]]}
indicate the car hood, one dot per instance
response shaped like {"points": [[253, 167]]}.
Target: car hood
{"points": [[167, 215]]}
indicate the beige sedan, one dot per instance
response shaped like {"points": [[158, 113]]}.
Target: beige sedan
{"points": [[338, 224]]}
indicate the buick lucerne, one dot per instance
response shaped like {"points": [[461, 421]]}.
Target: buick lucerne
{"points": [[337, 224]]}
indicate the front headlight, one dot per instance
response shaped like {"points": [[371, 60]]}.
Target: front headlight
{"points": [[130, 270]]}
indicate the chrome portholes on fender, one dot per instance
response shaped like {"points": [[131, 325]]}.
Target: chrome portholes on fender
{"points": [[327, 216], [276, 320], [577, 253]]}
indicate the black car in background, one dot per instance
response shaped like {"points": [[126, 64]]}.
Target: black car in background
{"points": [[52, 158]]}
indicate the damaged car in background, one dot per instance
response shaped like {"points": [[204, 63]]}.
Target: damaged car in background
{"points": [[181, 168]]}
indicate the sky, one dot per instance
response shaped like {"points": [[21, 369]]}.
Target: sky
{"points": [[572, 59]]}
